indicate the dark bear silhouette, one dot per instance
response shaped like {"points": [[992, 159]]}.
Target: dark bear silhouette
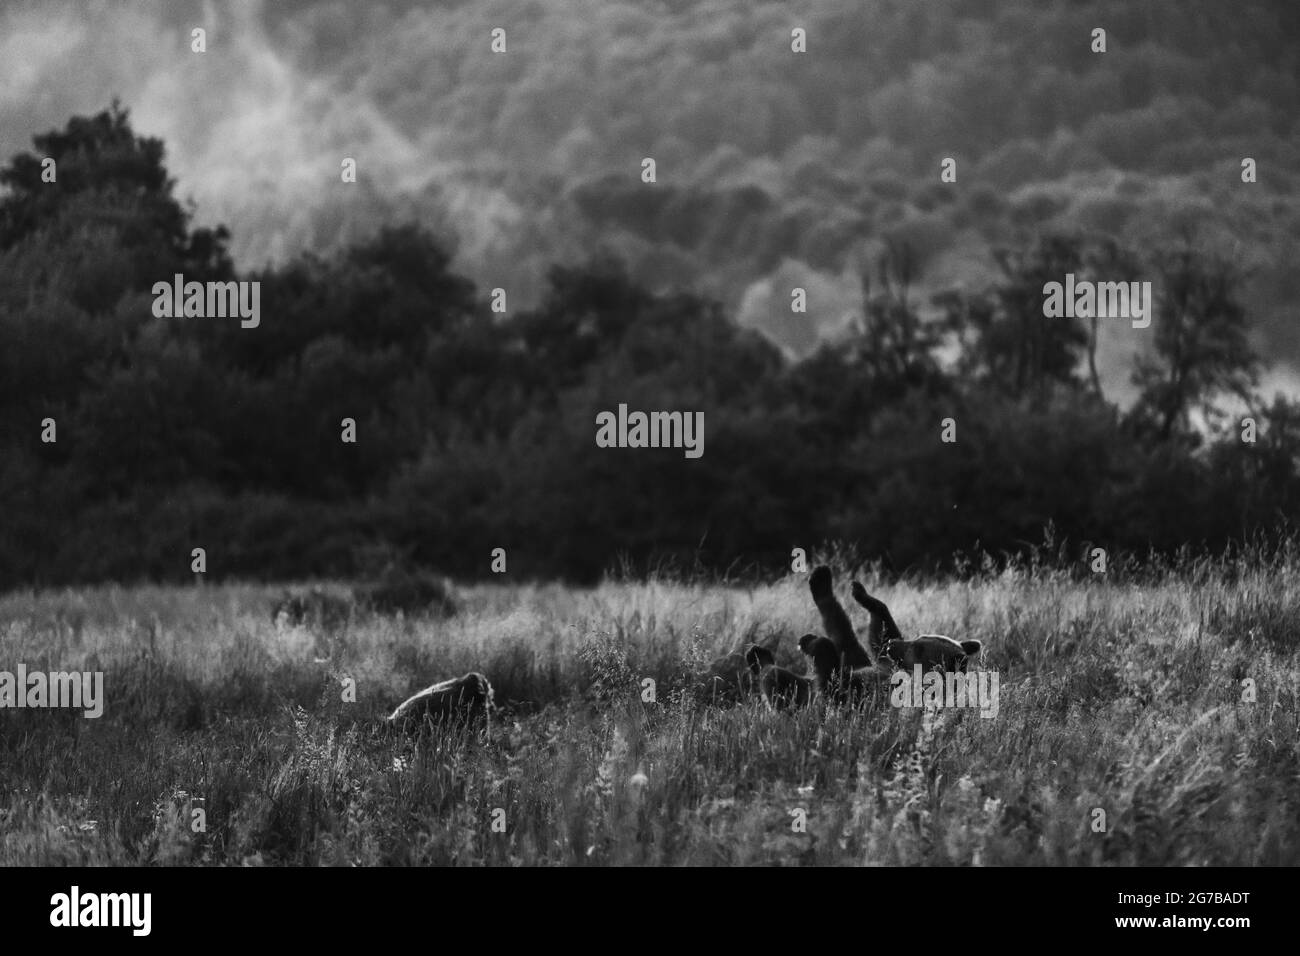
{"points": [[834, 682], [458, 699], [835, 620], [928, 650]]}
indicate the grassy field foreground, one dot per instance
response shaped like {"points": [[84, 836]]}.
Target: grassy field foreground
{"points": [[1126, 699]]}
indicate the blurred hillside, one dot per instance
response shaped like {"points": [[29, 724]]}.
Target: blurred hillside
{"points": [[775, 169]]}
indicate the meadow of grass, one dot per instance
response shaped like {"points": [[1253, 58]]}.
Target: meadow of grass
{"points": [[1122, 694]]}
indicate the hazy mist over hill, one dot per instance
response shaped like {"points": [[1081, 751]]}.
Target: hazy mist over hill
{"points": [[774, 170]]}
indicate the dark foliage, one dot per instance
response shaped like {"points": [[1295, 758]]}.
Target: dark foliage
{"points": [[475, 430]]}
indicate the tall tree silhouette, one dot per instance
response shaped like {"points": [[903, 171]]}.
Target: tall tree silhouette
{"points": [[1200, 344], [1004, 336], [107, 175], [896, 346]]}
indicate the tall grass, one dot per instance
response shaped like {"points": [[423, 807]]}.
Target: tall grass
{"points": [[1122, 695]]}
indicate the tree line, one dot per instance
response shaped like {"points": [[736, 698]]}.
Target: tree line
{"points": [[476, 430]]}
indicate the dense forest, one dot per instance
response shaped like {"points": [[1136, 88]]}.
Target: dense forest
{"points": [[475, 429], [773, 167]]}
